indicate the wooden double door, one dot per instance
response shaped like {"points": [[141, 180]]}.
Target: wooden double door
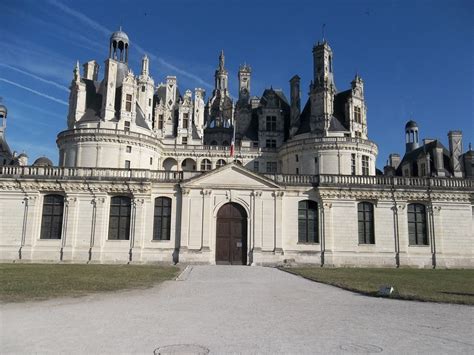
{"points": [[231, 235]]}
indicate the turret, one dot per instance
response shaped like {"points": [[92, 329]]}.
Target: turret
{"points": [[118, 49], [221, 78], [146, 86], [295, 102], [411, 136]]}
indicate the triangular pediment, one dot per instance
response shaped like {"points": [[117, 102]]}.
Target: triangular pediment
{"points": [[231, 176]]}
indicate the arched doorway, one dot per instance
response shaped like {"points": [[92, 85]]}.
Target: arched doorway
{"points": [[231, 235]]}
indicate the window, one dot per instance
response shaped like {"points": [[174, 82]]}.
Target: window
{"points": [[128, 149], [213, 143], [271, 166], [365, 165], [52, 218], [160, 121], [270, 143], [127, 164], [365, 215], [423, 169], [127, 126], [184, 140], [119, 222], [255, 144], [358, 134], [206, 165], [128, 103], [162, 219], [220, 162], [353, 164], [357, 115], [417, 224], [297, 171], [143, 88], [151, 161], [149, 102], [271, 123], [185, 120], [297, 158], [308, 222], [256, 166]]}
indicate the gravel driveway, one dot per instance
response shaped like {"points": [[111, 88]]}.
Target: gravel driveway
{"points": [[233, 309]]}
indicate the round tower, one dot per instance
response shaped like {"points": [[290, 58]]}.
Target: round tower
{"points": [[411, 136]]}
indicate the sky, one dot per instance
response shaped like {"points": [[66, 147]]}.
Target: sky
{"points": [[416, 57]]}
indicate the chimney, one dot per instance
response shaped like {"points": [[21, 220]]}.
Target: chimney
{"points": [[295, 99], [438, 162], [394, 160], [455, 151], [91, 70]]}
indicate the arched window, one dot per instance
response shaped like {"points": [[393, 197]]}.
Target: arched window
{"points": [[365, 214], [213, 143], [52, 218], [417, 224], [119, 222], [225, 143], [220, 162], [308, 222], [206, 165], [162, 219]]}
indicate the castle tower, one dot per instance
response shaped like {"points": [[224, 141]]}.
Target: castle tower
{"points": [[221, 76], [411, 136], [357, 109], [146, 87], [244, 82], [77, 98], [322, 89]]}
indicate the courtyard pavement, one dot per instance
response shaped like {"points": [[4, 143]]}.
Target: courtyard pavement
{"points": [[233, 309]]}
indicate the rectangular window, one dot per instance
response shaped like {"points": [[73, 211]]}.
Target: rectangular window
{"points": [[423, 170], [160, 121], [297, 158], [151, 161], [127, 126], [271, 166], [184, 140], [270, 143], [297, 171], [308, 222], [365, 165], [52, 217], [271, 123], [128, 103], [353, 164], [119, 218], [358, 134], [365, 216], [417, 233], [128, 149], [162, 219], [149, 102], [256, 166], [127, 164], [185, 120], [255, 144], [357, 114]]}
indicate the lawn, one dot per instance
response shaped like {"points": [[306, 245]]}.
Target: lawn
{"points": [[29, 282], [451, 286]]}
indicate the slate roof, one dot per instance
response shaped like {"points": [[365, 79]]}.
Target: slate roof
{"points": [[412, 157]]}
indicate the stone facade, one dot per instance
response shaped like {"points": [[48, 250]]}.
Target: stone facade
{"points": [[145, 174]]}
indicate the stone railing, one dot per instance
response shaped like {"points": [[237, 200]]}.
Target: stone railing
{"points": [[50, 172], [54, 172]]}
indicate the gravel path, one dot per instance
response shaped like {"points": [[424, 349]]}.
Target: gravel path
{"points": [[232, 309]]}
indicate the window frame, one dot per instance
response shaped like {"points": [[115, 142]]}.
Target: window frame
{"points": [[204, 163], [271, 167], [162, 204], [306, 206], [271, 123], [367, 237], [54, 232], [365, 165], [128, 102], [415, 239], [124, 204]]}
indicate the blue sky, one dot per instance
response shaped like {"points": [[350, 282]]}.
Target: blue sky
{"points": [[416, 57]]}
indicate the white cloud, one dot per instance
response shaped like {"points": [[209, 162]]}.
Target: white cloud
{"points": [[52, 98], [46, 81]]}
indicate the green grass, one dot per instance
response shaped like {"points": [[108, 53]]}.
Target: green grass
{"points": [[30, 282], [451, 286]]}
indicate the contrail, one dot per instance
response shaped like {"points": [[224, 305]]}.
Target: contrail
{"points": [[50, 82], [87, 20], [59, 101]]}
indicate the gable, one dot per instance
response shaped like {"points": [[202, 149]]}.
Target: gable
{"points": [[231, 176]]}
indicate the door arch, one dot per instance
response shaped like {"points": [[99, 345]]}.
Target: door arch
{"points": [[231, 235]]}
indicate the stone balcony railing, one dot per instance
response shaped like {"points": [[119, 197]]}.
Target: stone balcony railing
{"points": [[65, 173]]}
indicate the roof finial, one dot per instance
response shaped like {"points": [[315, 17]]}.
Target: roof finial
{"points": [[322, 30], [470, 146]]}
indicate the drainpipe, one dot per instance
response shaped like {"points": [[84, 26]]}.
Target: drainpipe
{"points": [[431, 226], [132, 232], [323, 239], [395, 226], [23, 229], [94, 217], [64, 231]]}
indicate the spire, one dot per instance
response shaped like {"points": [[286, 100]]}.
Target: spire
{"points": [[221, 60], [145, 65], [77, 72]]}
